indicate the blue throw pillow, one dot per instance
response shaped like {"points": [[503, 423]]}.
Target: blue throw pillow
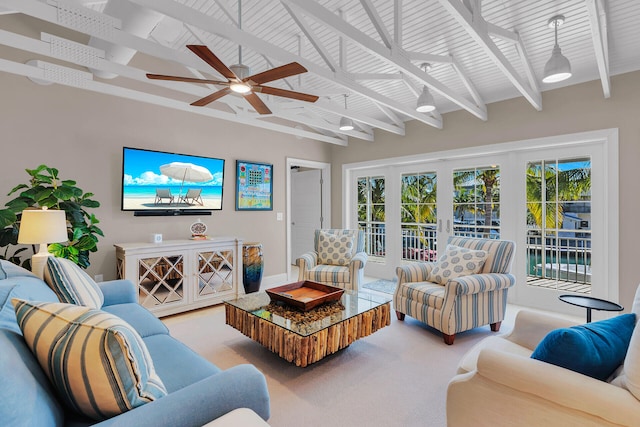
{"points": [[594, 349]]}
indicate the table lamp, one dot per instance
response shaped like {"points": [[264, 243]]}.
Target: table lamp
{"points": [[42, 226]]}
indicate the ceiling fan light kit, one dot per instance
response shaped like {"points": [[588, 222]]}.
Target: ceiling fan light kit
{"points": [[558, 67]]}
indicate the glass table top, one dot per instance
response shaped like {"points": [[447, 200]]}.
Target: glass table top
{"points": [[308, 323]]}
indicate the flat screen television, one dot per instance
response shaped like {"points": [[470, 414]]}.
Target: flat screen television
{"points": [[161, 183]]}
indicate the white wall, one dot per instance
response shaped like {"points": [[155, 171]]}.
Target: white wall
{"points": [[572, 109]]}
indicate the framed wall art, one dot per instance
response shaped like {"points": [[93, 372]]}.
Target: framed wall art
{"points": [[254, 186]]}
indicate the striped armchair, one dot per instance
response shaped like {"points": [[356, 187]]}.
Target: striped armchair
{"points": [[347, 276], [463, 303]]}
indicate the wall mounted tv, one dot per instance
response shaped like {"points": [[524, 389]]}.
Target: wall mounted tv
{"points": [[160, 183]]}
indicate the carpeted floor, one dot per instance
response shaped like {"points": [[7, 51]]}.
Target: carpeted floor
{"points": [[395, 377], [382, 285]]}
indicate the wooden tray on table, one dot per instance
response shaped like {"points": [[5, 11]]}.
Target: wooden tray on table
{"points": [[305, 295]]}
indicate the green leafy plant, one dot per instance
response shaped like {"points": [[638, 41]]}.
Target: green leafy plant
{"points": [[45, 189]]}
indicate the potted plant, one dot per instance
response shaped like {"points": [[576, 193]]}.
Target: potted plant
{"points": [[45, 189]]}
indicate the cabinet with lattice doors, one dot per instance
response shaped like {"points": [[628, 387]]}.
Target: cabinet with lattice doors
{"points": [[179, 275]]}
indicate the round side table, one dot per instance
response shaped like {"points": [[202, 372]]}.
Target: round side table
{"points": [[590, 303]]}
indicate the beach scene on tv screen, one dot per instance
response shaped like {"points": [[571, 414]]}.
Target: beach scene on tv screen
{"points": [[157, 180]]}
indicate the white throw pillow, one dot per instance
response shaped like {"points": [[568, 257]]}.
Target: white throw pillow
{"points": [[457, 262], [336, 249]]}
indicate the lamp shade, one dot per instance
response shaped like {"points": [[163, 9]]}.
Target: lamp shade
{"points": [[346, 123], [42, 226], [558, 67], [425, 103]]}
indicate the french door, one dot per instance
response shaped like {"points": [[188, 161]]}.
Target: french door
{"points": [[552, 202]]}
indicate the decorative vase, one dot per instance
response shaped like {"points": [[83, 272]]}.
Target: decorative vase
{"points": [[252, 265]]}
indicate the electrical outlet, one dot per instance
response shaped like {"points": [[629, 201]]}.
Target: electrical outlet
{"points": [[98, 278]]}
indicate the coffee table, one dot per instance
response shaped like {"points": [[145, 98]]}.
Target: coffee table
{"points": [[304, 338]]}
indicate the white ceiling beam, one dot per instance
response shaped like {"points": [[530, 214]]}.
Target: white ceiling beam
{"points": [[395, 56], [472, 24], [377, 23], [313, 39], [466, 81], [598, 21], [191, 16], [332, 107], [108, 89], [412, 87], [377, 76], [397, 22], [528, 68], [502, 33], [393, 116], [332, 127]]}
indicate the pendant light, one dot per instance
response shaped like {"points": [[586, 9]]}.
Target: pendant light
{"points": [[425, 103], [345, 122], [558, 67]]}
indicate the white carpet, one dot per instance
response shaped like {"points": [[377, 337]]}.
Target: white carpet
{"points": [[395, 377]]}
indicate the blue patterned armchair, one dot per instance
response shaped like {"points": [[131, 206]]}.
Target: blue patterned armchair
{"points": [[460, 303], [338, 259]]}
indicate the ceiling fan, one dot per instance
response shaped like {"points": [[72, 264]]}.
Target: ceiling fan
{"points": [[239, 82]]}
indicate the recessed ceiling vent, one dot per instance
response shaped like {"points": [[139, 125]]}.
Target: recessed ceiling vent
{"points": [[136, 20]]}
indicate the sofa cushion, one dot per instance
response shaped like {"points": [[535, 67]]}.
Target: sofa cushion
{"points": [[456, 262], [167, 352], [630, 377], [26, 398], [140, 319], [594, 349], [98, 364], [71, 283], [336, 249], [328, 274], [28, 288]]}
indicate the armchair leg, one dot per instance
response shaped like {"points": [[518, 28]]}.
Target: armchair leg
{"points": [[495, 327], [448, 339], [400, 316]]}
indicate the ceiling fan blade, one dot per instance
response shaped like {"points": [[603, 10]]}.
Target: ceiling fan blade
{"points": [[281, 72], [210, 98], [257, 103], [185, 79], [286, 93], [207, 56]]}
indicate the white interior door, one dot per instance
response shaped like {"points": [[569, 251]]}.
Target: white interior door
{"points": [[306, 209]]}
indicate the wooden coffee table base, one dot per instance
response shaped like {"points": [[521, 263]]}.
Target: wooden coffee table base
{"points": [[305, 350]]}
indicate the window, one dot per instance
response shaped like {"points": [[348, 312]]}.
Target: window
{"points": [[476, 202], [418, 216], [559, 224], [371, 214]]}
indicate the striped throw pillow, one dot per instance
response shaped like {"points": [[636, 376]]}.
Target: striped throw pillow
{"points": [[97, 362], [335, 249], [71, 284], [457, 262]]}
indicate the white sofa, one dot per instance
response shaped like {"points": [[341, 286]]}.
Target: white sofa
{"points": [[498, 384]]}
